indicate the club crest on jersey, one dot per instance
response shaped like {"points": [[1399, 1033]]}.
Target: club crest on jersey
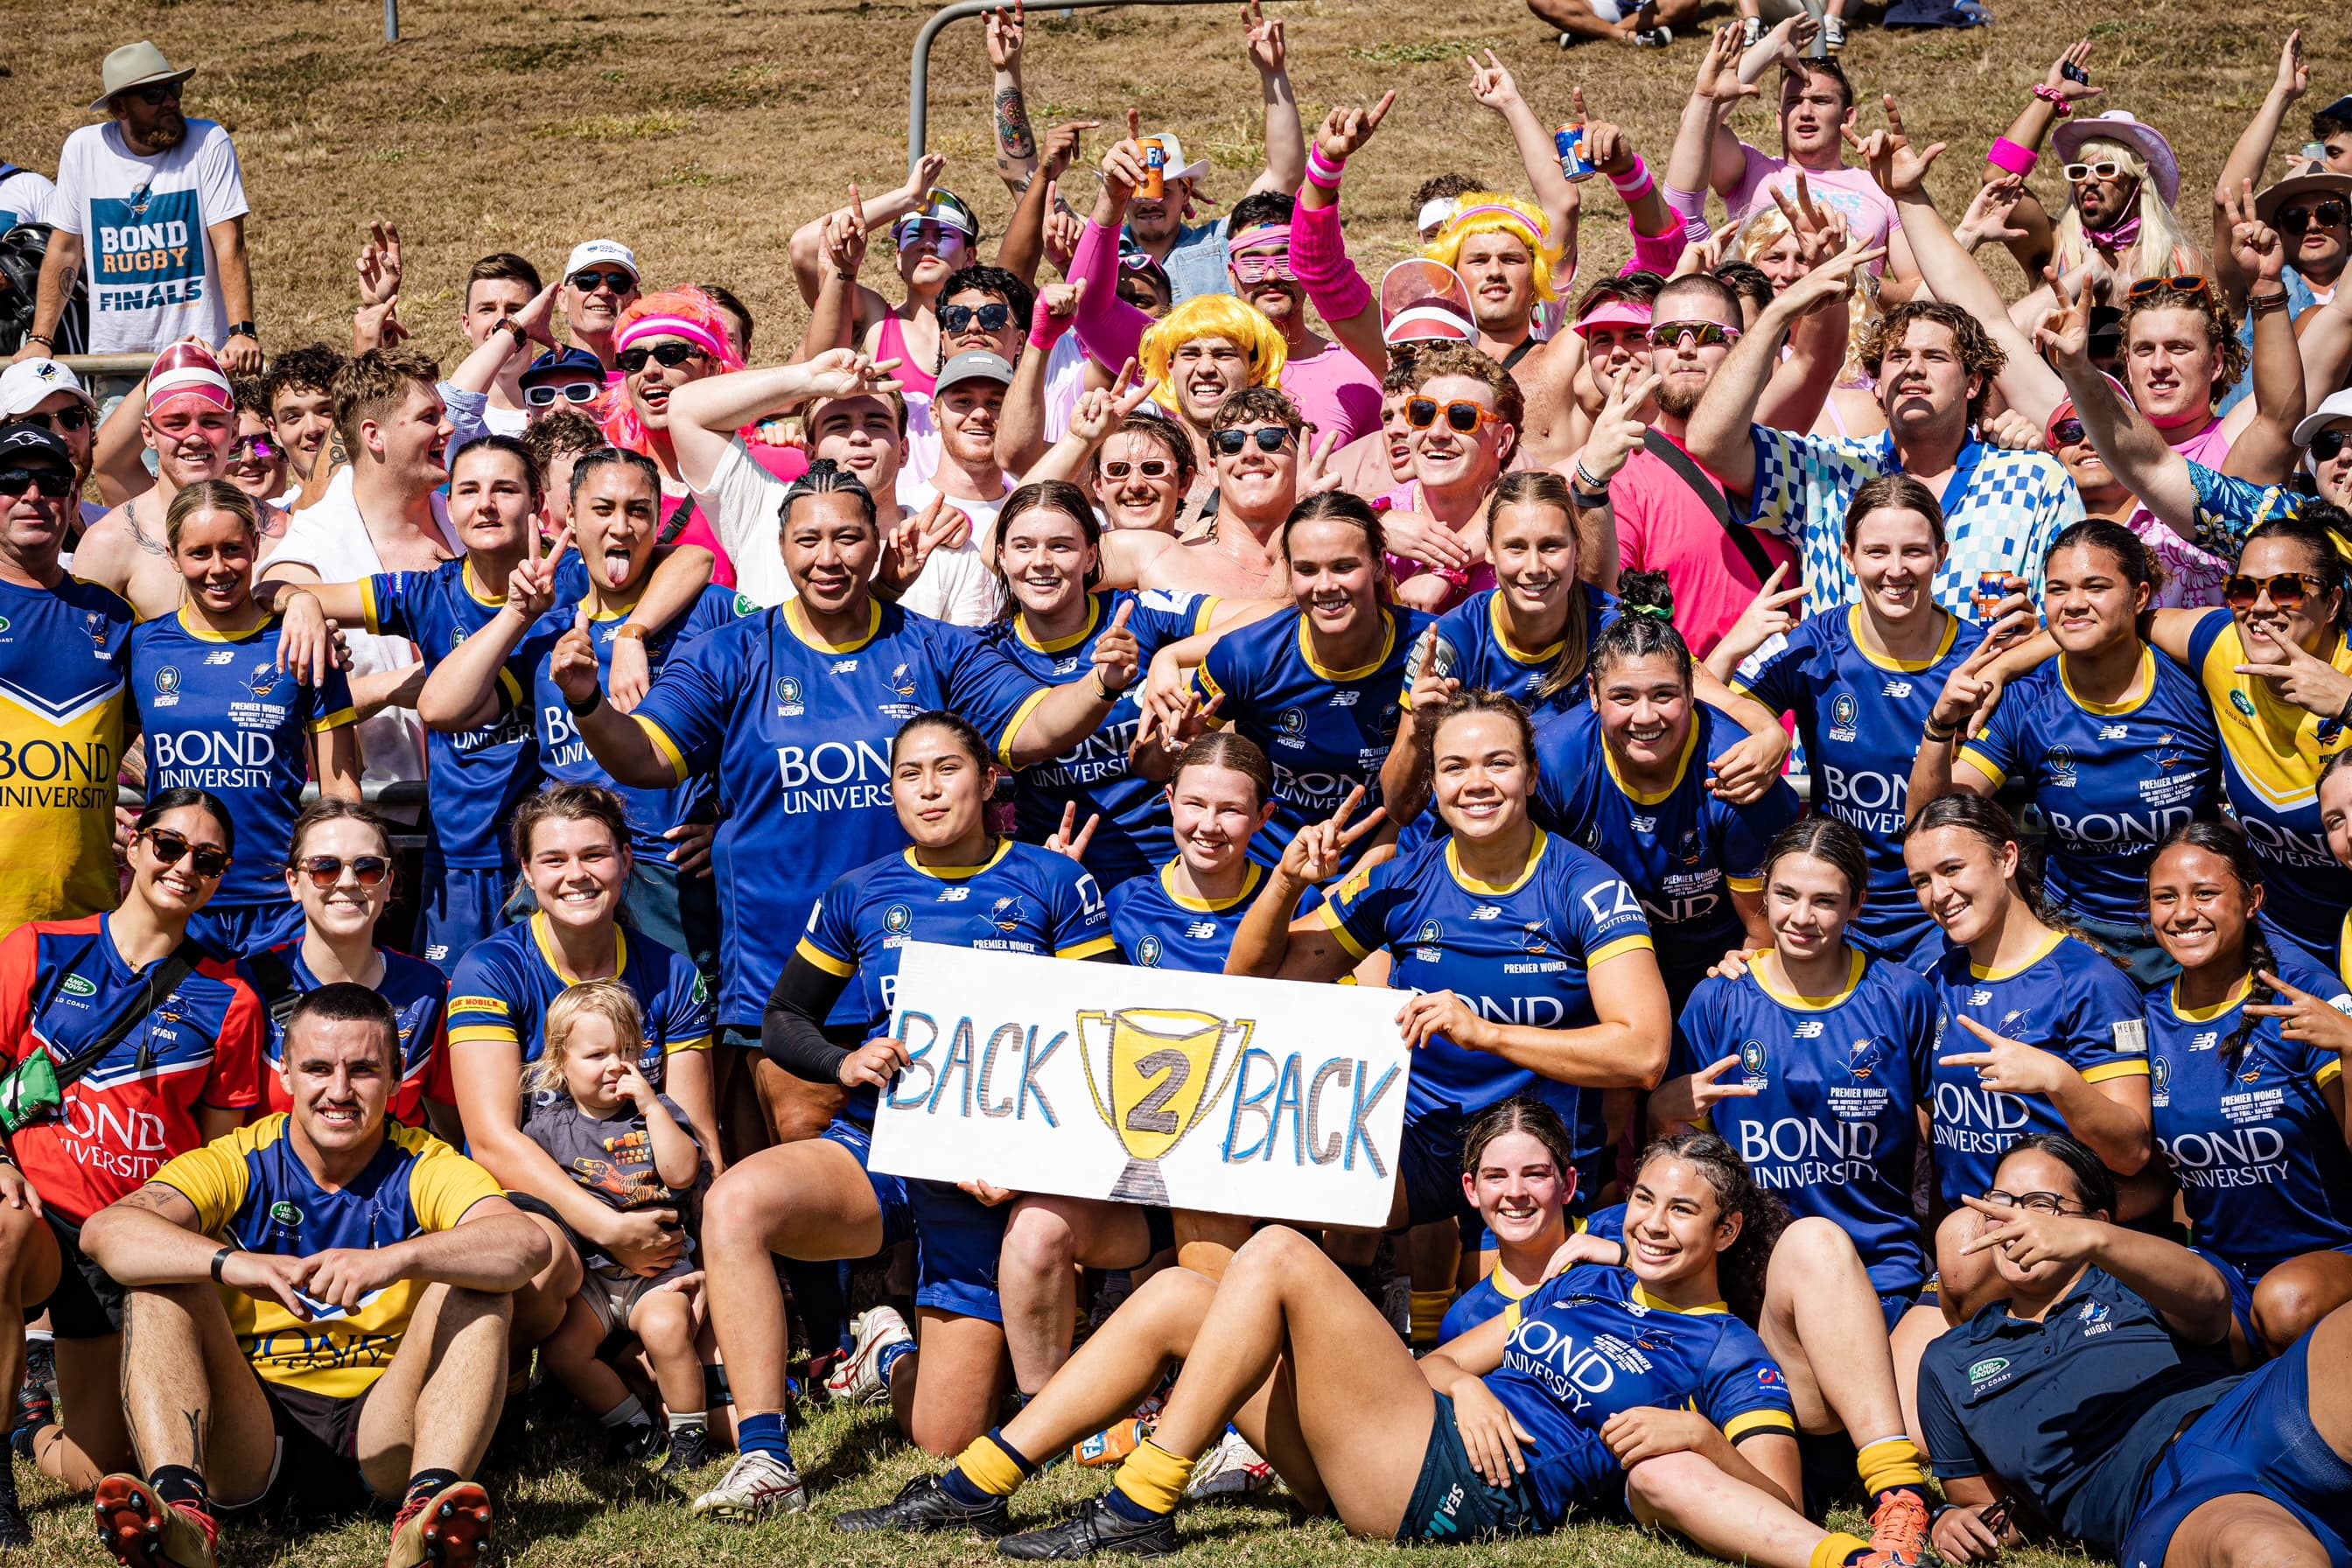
{"points": [[1752, 1061], [1147, 953], [1009, 914], [902, 680], [898, 918], [1531, 939], [1689, 852], [1292, 725], [263, 680], [2062, 768], [95, 624], [788, 697], [167, 682], [2160, 1079], [1430, 931], [1844, 711], [1865, 1058]]}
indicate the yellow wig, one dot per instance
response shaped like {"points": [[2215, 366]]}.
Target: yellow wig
{"points": [[1487, 212], [1211, 316]]}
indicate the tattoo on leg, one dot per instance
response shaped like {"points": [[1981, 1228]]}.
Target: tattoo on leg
{"points": [[196, 1425], [1014, 138]]}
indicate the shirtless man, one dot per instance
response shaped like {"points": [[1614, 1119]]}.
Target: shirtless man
{"points": [[1254, 438]]}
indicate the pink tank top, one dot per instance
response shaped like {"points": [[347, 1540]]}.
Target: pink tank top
{"points": [[890, 343]]}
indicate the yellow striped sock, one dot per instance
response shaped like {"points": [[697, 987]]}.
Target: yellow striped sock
{"points": [[1153, 1478], [1429, 1315], [1832, 1551], [1890, 1462], [989, 1468]]}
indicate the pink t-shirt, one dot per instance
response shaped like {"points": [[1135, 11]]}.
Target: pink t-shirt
{"points": [[2192, 578], [697, 531], [1870, 212], [1335, 391], [1661, 526]]}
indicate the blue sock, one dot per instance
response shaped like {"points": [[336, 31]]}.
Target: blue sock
{"points": [[1127, 1509], [887, 1361], [764, 1435]]}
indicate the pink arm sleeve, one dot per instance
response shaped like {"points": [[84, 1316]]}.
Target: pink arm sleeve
{"points": [[1319, 259], [1109, 329], [1691, 207]]}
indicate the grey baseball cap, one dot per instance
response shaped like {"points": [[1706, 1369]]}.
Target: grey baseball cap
{"points": [[977, 365]]}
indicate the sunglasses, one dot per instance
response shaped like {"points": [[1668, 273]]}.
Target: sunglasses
{"points": [[326, 870], [670, 356], [589, 281], [2066, 433], [1161, 468], [944, 240], [2328, 215], [1462, 417], [2327, 443], [1670, 335], [15, 482], [2286, 590], [1262, 266], [157, 96], [2179, 283], [1270, 439], [2080, 173], [992, 318], [169, 846], [544, 395], [253, 448], [74, 418]]}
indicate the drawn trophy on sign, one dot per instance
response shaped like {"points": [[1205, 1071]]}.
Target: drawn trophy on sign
{"points": [[1154, 1083]]}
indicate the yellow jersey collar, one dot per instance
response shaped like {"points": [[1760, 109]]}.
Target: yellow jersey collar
{"points": [[796, 622], [1853, 623], [958, 873], [1471, 884], [2048, 946], [1682, 767], [2143, 687], [1061, 645], [1365, 672], [1252, 874], [550, 956]]}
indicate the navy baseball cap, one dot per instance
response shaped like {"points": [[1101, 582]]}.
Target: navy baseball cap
{"points": [[21, 446], [565, 362]]}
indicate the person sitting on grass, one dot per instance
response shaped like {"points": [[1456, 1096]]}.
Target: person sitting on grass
{"points": [[318, 1312], [598, 1118]]}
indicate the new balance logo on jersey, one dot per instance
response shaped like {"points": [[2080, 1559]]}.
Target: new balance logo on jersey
{"points": [[1810, 1029], [1201, 931], [2114, 731], [2205, 1041], [1344, 699], [1644, 824], [844, 666], [954, 895], [1898, 688], [1979, 998], [1485, 912], [221, 656]]}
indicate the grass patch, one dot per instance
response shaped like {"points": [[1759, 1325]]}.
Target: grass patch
{"points": [[650, 127], [1436, 52]]}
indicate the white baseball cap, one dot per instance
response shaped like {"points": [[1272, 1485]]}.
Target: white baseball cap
{"points": [[2339, 406], [23, 385], [601, 252]]}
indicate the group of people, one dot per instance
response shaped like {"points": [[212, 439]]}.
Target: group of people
{"points": [[1764, 1153]]}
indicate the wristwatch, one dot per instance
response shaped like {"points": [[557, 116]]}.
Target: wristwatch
{"points": [[242, 329], [521, 333]]}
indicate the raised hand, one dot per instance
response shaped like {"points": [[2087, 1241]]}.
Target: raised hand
{"points": [[2027, 1236], [1070, 839], [2064, 333], [1831, 281], [572, 665], [1319, 850], [1432, 687], [1987, 220], [2294, 76], [1899, 171], [2010, 1067], [847, 372], [2310, 683], [927, 169], [1005, 35], [380, 263], [535, 314], [2077, 55], [1719, 69], [1349, 126], [2254, 245], [1491, 83], [2304, 1018], [1122, 164], [1118, 657], [1263, 39], [1618, 430], [1060, 149], [1970, 689], [1315, 472], [1064, 230], [906, 548], [1768, 614], [844, 237], [530, 587]]}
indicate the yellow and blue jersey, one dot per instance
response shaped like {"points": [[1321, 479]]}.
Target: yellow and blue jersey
{"points": [[2112, 779], [1593, 1343], [1023, 900], [1493, 1295], [1326, 730], [1683, 849], [1521, 953], [474, 778], [1473, 648], [1833, 1127], [503, 986], [1133, 835], [1158, 928], [2066, 999], [2250, 1138], [64, 658], [1860, 715], [563, 756], [219, 715], [253, 1192], [2272, 754], [799, 733]]}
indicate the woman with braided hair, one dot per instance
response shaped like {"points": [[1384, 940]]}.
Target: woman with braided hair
{"points": [[2249, 1101]]}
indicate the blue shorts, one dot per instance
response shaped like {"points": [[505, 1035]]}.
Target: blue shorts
{"points": [[1451, 1502], [240, 930], [1429, 1163], [462, 905], [889, 1192], [2259, 1438], [958, 1240]]}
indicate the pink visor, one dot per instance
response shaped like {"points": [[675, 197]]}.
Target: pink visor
{"points": [[1614, 313], [1431, 321]]}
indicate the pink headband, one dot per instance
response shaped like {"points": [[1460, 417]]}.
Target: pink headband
{"points": [[1496, 209], [1264, 239], [1612, 314], [693, 331]]}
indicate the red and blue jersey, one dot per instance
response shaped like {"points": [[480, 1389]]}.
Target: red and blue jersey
{"points": [[1833, 1129], [219, 715], [2112, 779], [2250, 1135], [2067, 999], [1860, 715], [1023, 900], [1683, 849], [62, 983], [1326, 730], [64, 655], [502, 987], [1133, 835], [1473, 648], [1593, 1344], [419, 994], [1158, 928], [474, 778], [799, 732]]}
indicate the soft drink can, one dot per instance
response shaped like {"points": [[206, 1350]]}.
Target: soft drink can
{"points": [[1569, 142], [1992, 587], [1155, 168]]}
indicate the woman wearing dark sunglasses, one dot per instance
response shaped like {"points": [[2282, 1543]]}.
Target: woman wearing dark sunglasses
{"points": [[339, 871], [187, 1070]]}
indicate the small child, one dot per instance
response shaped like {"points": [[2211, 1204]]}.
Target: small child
{"points": [[597, 1117]]}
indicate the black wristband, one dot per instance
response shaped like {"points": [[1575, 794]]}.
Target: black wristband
{"points": [[1941, 737], [1624, 1254], [220, 1261], [582, 709]]}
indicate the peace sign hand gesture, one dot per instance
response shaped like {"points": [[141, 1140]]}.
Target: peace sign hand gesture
{"points": [[530, 587], [2303, 1016], [2310, 683], [1064, 841], [2253, 244], [1689, 1097], [1970, 689], [2065, 330], [1320, 848], [2010, 1067], [1619, 431]]}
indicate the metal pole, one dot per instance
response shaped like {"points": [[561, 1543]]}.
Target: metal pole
{"points": [[392, 21], [919, 76]]}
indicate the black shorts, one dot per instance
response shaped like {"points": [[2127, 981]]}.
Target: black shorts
{"points": [[86, 1303], [1453, 1503], [317, 1470]]}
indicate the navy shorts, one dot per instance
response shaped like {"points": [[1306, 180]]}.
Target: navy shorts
{"points": [[1453, 1502], [958, 1240], [2259, 1438], [1429, 1163], [462, 905], [240, 930], [889, 1192]]}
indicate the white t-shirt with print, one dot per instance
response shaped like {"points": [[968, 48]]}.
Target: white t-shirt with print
{"points": [[26, 198], [145, 226]]}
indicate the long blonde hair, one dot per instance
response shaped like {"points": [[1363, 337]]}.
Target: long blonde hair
{"points": [[2161, 248], [1766, 228], [610, 999]]}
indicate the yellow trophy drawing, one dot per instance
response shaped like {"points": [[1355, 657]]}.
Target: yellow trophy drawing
{"points": [[1155, 1082]]}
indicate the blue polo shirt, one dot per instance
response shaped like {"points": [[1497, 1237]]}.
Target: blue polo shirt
{"points": [[2070, 1411]]}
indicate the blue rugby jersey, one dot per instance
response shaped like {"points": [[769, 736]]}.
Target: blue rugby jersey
{"points": [[2112, 779], [1473, 650], [502, 987], [1325, 730], [1682, 851], [1024, 900], [2067, 999], [2250, 1138], [1491, 1296], [419, 994], [1861, 718], [1833, 1127], [220, 715], [1133, 835], [799, 732], [1158, 928]]}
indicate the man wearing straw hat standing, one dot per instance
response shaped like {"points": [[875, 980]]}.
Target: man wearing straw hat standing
{"points": [[155, 204]]}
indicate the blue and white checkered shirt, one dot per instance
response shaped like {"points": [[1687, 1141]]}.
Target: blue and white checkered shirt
{"points": [[2001, 509]]}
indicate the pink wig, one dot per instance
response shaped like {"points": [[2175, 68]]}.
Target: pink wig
{"points": [[688, 313]]}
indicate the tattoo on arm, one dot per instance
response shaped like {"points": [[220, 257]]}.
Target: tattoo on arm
{"points": [[1015, 140]]}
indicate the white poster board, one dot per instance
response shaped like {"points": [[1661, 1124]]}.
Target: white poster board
{"points": [[1268, 1098]]}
